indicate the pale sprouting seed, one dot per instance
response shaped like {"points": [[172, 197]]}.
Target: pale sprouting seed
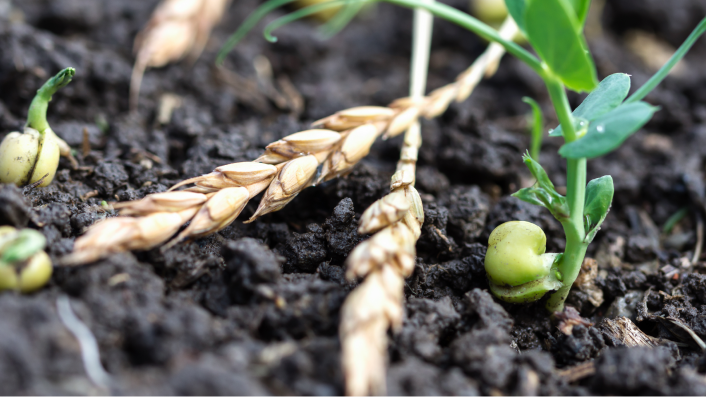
{"points": [[32, 157], [29, 277], [24, 266], [28, 157]]}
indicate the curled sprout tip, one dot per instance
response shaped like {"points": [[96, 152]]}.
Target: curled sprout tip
{"points": [[61, 79], [303, 13], [248, 25]]}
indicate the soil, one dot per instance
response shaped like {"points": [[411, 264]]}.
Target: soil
{"points": [[255, 308]]}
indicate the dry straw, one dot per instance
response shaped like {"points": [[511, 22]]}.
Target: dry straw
{"points": [[213, 201], [177, 28]]}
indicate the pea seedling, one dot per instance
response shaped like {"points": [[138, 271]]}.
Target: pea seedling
{"points": [[605, 119], [33, 155]]}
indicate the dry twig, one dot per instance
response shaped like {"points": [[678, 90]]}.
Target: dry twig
{"points": [[287, 167], [177, 28]]}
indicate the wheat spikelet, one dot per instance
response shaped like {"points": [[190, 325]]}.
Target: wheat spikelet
{"points": [[375, 305], [288, 166], [177, 28], [385, 260], [388, 257], [384, 212], [127, 233]]}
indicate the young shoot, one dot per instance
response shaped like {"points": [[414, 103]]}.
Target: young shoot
{"points": [[32, 156], [599, 125], [24, 266]]}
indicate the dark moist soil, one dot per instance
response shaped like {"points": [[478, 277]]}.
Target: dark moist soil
{"points": [[255, 308]]}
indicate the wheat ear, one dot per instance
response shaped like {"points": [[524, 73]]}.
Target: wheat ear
{"points": [[288, 166], [176, 29], [388, 257]]}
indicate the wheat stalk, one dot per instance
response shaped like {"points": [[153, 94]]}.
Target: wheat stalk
{"points": [[177, 28], [388, 257], [287, 167]]}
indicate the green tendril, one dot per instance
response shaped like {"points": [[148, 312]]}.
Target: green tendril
{"points": [[299, 14], [248, 25], [662, 73]]}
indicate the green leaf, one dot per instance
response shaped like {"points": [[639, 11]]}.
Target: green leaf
{"points": [[516, 8], [609, 94], [581, 8], [543, 192], [555, 33], [599, 196], [608, 131]]}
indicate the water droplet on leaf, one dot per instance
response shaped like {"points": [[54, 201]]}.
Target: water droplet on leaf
{"points": [[581, 127]]}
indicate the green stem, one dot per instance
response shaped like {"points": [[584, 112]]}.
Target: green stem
{"points": [[664, 70], [575, 195], [37, 115], [569, 268], [466, 21], [438, 9]]}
